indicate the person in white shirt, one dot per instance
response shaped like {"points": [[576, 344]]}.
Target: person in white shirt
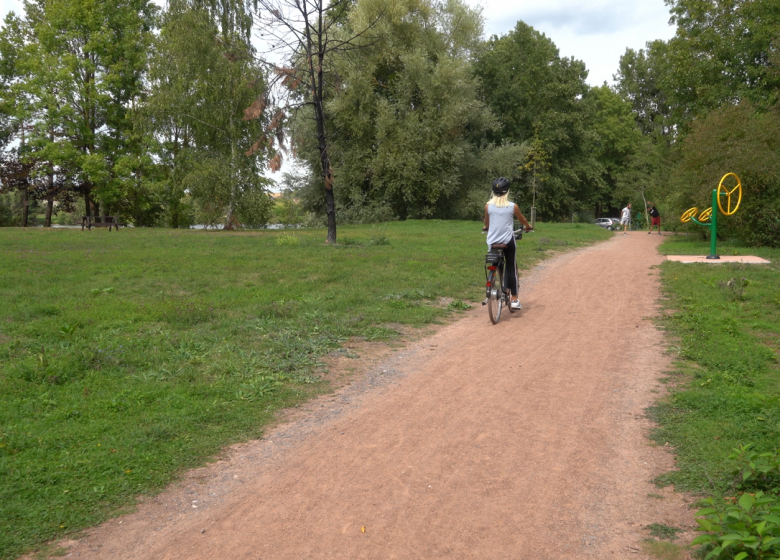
{"points": [[625, 218]]}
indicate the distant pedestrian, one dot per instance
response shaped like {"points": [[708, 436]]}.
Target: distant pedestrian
{"points": [[655, 218], [625, 218]]}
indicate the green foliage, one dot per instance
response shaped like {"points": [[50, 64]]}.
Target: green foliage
{"points": [[750, 529], [719, 54], [410, 138], [202, 83], [288, 240], [204, 337], [756, 471], [734, 139], [536, 94], [619, 138]]}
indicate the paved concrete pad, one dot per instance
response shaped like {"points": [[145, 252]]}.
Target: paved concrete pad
{"points": [[687, 259]]}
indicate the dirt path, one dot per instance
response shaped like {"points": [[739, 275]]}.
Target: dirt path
{"points": [[522, 440]]}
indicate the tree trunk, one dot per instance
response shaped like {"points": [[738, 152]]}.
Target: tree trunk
{"points": [[49, 208], [327, 173], [533, 201], [317, 81], [230, 219], [87, 205], [49, 199], [25, 205]]}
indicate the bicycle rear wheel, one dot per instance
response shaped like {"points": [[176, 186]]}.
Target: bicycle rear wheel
{"points": [[495, 299]]}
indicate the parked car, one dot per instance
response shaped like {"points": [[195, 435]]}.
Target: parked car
{"points": [[607, 223]]}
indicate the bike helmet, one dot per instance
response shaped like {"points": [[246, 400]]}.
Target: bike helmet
{"points": [[501, 186]]}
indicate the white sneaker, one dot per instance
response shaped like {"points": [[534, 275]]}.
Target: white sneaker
{"points": [[515, 305]]}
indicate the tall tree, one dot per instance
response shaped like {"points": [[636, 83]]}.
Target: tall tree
{"points": [[310, 34], [408, 125], [202, 82], [535, 91], [641, 78], [83, 68], [618, 137]]}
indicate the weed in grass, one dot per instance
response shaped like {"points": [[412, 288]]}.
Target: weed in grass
{"points": [[458, 305], [662, 531], [542, 244], [288, 240], [735, 288], [205, 337], [378, 236]]}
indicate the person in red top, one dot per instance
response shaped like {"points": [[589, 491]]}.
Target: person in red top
{"points": [[655, 218]]}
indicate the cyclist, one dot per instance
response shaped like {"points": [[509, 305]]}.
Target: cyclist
{"points": [[499, 223]]}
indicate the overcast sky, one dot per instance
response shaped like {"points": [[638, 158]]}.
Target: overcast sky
{"points": [[597, 32]]}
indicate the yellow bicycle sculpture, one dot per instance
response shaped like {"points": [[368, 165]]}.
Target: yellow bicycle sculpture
{"points": [[708, 218]]}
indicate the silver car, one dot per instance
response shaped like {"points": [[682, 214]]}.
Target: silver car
{"points": [[607, 223]]}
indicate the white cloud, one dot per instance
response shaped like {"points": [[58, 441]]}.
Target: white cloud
{"points": [[597, 32]]}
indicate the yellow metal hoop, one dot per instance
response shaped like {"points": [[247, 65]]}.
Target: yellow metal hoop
{"points": [[727, 193], [690, 213], [706, 216]]}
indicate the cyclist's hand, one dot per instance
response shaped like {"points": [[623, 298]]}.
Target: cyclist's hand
{"points": [[528, 228], [485, 228]]}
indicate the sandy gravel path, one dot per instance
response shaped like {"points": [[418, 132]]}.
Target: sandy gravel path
{"points": [[523, 440]]}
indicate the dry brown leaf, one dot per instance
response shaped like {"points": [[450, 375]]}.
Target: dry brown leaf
{"points": [[276, 163], [255, 110]]}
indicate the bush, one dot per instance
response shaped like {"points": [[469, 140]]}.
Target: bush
{"points": [[750, 529], [741, 140]]}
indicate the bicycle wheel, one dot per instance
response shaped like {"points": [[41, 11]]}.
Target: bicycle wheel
{"points": [[495, 299]]}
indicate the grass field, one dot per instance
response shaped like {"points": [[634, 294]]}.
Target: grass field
{"points": [[128, 357], [726, 324]]}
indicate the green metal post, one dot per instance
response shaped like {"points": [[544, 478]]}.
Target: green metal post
{"points": [[714, 226]]}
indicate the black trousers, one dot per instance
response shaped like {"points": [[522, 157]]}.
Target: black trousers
{"points": [[510, 270]]}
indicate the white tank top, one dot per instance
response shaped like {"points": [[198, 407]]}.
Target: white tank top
{"points": [[501, 224]]}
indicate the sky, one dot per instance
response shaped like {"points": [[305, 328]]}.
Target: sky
{"points": [[595, 31]]}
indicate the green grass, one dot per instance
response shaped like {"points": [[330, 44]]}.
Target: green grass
{"points": [[128, 357], [726, 379]]}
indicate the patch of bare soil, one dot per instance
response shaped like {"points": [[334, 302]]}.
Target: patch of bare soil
{"points": [[522, 440]]}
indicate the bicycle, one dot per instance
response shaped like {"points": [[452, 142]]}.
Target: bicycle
{"points": [[496, 291]]}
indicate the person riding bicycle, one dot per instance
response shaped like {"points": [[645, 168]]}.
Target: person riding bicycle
{"points": [[499, 223]]}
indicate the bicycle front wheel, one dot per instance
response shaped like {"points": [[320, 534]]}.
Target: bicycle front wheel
{"points": [[495, 299]]}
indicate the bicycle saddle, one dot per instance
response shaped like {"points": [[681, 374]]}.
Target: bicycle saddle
{"points": [[498, 246]]}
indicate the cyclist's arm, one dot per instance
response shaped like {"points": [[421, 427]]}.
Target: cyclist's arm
{"points": [[486, 220], [519, 216]]}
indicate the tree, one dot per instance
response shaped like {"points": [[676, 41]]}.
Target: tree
{"points": [[640, 81], [741, 140], [409, 132], [310, 34], [535, 92], [642, 175], [618, 138], [201, 83], [80, 70], [537, 165]]}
